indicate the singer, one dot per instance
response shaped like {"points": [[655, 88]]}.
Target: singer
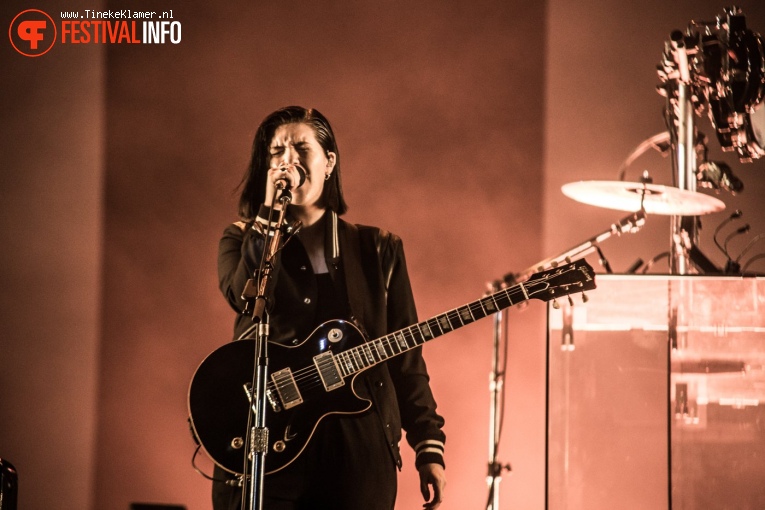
{"points": [[331, 269]]}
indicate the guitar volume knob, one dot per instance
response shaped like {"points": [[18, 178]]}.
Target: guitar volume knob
{"points": [[335, 335]]}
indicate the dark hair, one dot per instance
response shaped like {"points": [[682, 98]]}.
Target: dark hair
{"points": [[253, 183]]}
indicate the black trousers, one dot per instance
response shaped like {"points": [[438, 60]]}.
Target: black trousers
{"points": [[346, 466]]}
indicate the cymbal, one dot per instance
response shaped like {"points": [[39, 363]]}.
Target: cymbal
{"points": [[656, 199]]}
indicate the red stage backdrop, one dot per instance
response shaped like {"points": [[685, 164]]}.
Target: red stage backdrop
{"points": [[457, 122]]}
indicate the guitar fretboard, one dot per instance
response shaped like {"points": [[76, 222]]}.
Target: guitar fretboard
{"points": [[375, 351]]}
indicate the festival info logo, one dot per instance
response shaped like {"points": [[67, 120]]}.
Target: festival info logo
{"points": [[32, 33]]}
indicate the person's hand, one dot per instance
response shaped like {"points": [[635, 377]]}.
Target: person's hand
{"points": [[432, 475], [290, 176]]}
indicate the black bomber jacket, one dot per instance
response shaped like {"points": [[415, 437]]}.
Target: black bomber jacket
{"points": [[370, 263]]}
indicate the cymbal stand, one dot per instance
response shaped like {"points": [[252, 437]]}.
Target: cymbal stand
{"points": [[629, 224], [495, 410], [680, 119]]}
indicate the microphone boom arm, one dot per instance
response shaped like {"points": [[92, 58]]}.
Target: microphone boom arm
{"points": [[629, 224]]}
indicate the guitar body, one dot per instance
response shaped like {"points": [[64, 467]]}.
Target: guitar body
{"points": [[219, 404]]}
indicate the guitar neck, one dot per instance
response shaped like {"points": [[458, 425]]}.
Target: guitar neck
{"points": [[546, 285], [381, 349]]}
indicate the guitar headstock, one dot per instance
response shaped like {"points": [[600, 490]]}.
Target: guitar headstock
{"points": [[560, 281]]}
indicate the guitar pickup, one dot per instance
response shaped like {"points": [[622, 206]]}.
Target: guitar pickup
{"points": [[328, 371], [287, 388], [275, 405]]}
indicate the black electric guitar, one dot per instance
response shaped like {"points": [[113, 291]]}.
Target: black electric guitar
{"points": [[315, 378]]}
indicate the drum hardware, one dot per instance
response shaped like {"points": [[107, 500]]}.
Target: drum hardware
{"points": [[717, 66], [720, 67], [660, 142], [734, 265], [723, 63], [666, 200], [718, 176], [630, 224]]}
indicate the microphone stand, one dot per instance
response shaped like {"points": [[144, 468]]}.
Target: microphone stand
{"points": [[629, 224], [257, 436], [495, 415]]}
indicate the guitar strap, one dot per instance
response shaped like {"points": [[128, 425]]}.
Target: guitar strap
{"points": [[355, 283], [358, 289]]}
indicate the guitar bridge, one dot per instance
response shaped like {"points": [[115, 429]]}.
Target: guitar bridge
{"points": [[328, 371], [287, 388]]}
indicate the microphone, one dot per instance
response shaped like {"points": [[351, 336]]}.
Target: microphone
{"points": [[285, 184], [732, 266], [736, 215]]}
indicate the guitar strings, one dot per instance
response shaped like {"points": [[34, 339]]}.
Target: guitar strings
{"points": [[353, 360], [308, 377], [356, 359]]}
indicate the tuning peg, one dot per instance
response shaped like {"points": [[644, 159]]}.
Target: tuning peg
{"points": [[570, 301], [555, 304], [585, 298]]}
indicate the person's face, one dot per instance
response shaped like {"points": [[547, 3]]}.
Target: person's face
{"points": [[295, 145]]}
